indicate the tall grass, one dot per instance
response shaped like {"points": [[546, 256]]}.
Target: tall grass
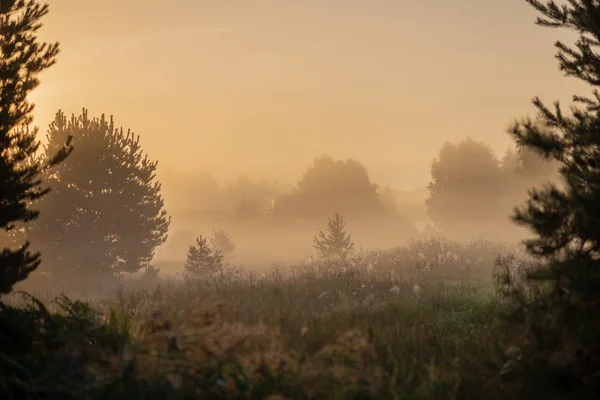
{"points": [[417, 322]]}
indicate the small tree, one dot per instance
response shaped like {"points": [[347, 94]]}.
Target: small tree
{"points": [[335, 242], [221, 240], [22, 58], [203, 261]]}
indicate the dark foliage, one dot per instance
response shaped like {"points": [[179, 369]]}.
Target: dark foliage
{"points": [[53, 355], [23, 57], [561, 302]]}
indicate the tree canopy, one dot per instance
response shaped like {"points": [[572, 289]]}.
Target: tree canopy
{"points": [[465, 186], [106, 215], [330, 186]]}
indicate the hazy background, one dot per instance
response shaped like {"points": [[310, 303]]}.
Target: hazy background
{"points": [[264, 86], [261, 87]]}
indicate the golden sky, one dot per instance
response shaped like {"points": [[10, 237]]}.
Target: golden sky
{"points": [[261, 87]]}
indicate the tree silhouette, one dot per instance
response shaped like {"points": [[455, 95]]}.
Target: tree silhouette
{"points": [[106, 215], [248, 210], [335, 242], [23, 57], [331, 186], [221, 240], [466, 187], [251, 198], [563, 317], [202, 261]]}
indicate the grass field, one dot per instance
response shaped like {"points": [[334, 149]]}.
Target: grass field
{"points": [[418, 322]]}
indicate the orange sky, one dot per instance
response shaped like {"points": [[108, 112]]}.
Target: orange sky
{"points": [[262, 86]]}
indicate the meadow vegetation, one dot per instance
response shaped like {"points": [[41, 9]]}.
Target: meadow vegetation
{"points": [[419, 321]]}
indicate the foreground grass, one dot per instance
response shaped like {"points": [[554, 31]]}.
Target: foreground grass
{"points": [[315, 332], [443, 344], [300, 337]]}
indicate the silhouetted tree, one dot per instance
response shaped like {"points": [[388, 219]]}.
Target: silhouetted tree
{"points": [[388, 198], [221, 240], [106, 215], [331, 186], [23, 57], [563, 316], [335, 242], [466, 187], [202, 261], [248, 210], [251, 198]]}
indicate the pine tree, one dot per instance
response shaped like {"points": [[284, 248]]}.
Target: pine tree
{"points": [[563, 316], [335, 242], [106, 215], [202, 261], [23, 57], [221, 240]]}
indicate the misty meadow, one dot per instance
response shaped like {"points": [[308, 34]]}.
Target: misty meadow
{"points": [[247, 269]]}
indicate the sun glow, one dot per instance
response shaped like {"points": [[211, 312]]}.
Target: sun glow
{"points": [[40, 97]]}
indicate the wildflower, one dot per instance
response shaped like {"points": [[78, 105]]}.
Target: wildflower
{"points": [[416, 290]]}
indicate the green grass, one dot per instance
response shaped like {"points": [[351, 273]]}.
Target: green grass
{"points": [[309, 333], [445, 343]]}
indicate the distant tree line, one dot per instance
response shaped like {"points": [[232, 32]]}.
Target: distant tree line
{"points": [[326, 187]]}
